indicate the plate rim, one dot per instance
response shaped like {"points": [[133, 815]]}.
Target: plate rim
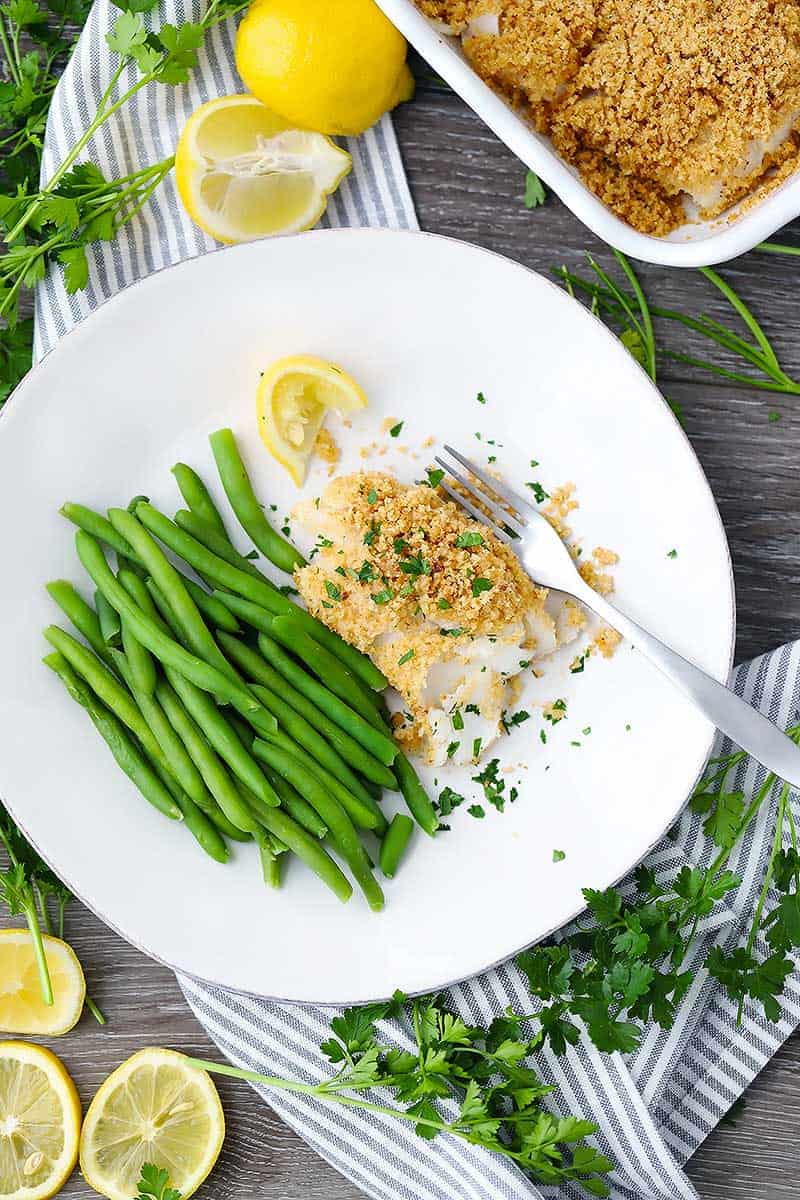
{"points": [[655, 397]]}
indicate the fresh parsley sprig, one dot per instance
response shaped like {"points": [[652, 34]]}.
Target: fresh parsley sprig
{"points": [[484, 1072], [633, 314], [154, 1184], [78, 205]]}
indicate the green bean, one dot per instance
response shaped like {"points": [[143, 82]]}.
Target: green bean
{"points": [[243, 501], [97, 526], [165, 649], [212, 770], [252, 614], [177, 759], [254, 587], [308, 850], [125, 752], [340, 826], [222, 738], [81, 614], [254, 667], [374, 740], [394, 844], [201, 641], [323, 664], [210, 606], [415, 796], [294, 804], [108, 690], [365, 815], [270, 861], [110, 624], [198, 498], [140, 660], [305, 735], [192, 524], [203, 830]]}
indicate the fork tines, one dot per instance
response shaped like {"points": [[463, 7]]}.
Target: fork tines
{"points": [[479, 494]]}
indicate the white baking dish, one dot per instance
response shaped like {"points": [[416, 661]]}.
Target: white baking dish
{"points": [[694, 245]]}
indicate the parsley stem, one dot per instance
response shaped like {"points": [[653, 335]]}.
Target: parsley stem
{"points": [[647, 321], [778, 248], [95, 1010], [13, 69], [45, 983]]}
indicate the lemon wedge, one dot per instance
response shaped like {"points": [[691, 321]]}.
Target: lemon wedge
{"points": [[243, 173], [22, 1009], [155, 1108], [40, 1121], [293, 397]]}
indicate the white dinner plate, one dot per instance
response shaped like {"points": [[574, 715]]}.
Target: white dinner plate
{"points": [[424, 323]]}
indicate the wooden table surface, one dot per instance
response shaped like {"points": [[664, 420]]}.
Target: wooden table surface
{"points": [[467, 185]]}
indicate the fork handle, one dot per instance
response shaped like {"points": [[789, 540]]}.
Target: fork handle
{"points": [[744, 725]]}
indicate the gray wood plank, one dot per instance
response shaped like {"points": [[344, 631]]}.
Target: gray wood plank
{"points": [[467, 185]]}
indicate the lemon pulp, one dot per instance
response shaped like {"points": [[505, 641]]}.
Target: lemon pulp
{"points": [[22, 1009], [242, 173], [154, 1108], [40, 1117], [294, 395]]}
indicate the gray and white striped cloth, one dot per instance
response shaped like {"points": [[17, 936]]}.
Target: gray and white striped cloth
{"points": [[655, 1106]]}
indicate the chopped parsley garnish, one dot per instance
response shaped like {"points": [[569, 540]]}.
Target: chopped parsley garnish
{"points": [[288, 590], [442, 603], [493, 784], [510, 721], [456, 631], [409, 654], [586, 731], [406, 590], [333, 591], [480, 398], [672, 554], [481, 585], [366, 572], [543, 737], [476, 810], [558, 856], [448, 800], [395, 430], [372, 532], [372, 496], [476, 748], [451, 748], [416, 565], [534, 463], [464, 540], [382, 597], [322, 543], [435, 477], [286, 528], [578, 663], [458, 720], [473, 708], [558, 710], [400, 545], [539, 494], [341, 571]]}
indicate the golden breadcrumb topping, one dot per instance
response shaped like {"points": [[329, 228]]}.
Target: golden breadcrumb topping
{"points": [[607, 641], [654, 101], [327, 449]]}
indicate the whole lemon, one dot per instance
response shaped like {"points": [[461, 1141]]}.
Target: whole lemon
{"points": [[334, 66]]}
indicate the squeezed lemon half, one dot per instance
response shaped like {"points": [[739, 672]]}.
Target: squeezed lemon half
{"points": [[40, 1120], [155, 1108], [243, 173], [293, 397], [22, 1009]]}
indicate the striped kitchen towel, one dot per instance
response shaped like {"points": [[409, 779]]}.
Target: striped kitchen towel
{"points": [[655, 1106]]}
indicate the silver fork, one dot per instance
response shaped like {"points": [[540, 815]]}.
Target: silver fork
{"points": [[546, 559]]}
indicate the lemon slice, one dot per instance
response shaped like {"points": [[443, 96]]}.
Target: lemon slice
{"points": [[40, 1121], [158, 1109], [293, 396], [22, 1009], [243, 173]]}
